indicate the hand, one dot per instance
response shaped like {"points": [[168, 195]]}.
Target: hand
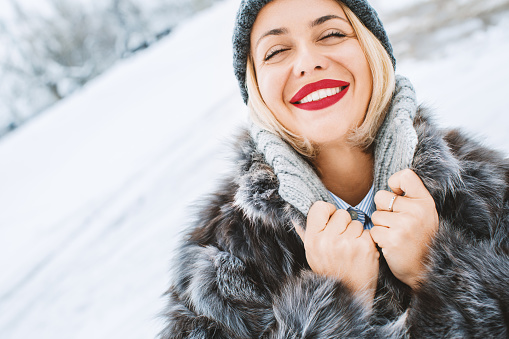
{"points": [[405, 233], [340, 248]]}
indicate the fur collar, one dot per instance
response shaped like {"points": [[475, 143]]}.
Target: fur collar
{"points": [[258, 192]]}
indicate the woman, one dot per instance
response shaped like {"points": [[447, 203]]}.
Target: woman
{"points": [[296, 244]]}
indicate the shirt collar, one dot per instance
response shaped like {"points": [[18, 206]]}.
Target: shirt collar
{"points": [[367, 205]]}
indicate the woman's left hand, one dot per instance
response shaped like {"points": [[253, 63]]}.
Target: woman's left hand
{"points": [[405, 232]]}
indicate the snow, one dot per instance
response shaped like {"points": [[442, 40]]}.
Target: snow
{"points": [[466, 84], [96, 192]]}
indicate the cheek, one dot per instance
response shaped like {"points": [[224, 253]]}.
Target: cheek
{"points": [[367, 85], [356, 61], [271, 87], [363, 71], [353, 58]]}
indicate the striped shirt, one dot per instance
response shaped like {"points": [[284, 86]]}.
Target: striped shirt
{"points": [[364, 210]]}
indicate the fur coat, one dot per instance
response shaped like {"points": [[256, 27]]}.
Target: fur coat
{"points": [[241, 271]]}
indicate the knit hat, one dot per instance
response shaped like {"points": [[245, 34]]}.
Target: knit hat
{"points": [[249, 10]]}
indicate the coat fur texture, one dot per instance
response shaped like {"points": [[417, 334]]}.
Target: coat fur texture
{"points": [[241, 272]]}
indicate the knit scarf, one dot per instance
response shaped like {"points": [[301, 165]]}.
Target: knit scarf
{"points": [[395, 145]]}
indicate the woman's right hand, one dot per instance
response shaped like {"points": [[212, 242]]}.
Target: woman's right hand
{"points": [[340, 248]]}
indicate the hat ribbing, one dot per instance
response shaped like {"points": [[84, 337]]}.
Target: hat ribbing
{"points": [[249, 10]]}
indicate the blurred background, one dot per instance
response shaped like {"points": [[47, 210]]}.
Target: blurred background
{"points": [[50, 48], [116, 117]]}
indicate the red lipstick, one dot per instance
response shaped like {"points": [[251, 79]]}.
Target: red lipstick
{"points": [[323, 103]]}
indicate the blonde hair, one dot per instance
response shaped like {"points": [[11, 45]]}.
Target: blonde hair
{"points": [[382, 72]]}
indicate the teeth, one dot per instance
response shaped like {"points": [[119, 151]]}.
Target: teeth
{"points": [[321, 94]]}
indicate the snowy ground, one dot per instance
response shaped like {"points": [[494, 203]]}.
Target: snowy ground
{"points": [[95, 192]]}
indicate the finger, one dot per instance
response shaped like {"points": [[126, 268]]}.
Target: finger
{"points": [[383, 202], [386, 219], [379, 234], [300, 231], [408, 183], [318, 216], [338, 223], [367, 236], [354, 229]]}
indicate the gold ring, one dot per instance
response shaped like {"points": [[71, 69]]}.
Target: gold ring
{"points": [[391, 204]]}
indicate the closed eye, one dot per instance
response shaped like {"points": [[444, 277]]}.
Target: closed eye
{"points": [[331, 34], [275, 52]]}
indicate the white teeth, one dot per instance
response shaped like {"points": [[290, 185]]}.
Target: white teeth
{"points": [[321, 94]]}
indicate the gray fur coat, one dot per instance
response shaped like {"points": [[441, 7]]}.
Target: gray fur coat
{"points": [[241, 271]]}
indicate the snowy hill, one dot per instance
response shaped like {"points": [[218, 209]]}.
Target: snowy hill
{"points": [[95, 192]]}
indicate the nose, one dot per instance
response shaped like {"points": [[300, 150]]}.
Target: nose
{"points": [[309, 60]]}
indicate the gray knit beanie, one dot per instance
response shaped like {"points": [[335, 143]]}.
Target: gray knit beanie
{"points": [[246, 17]]}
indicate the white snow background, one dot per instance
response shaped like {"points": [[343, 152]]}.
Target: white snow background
{"points": [[94, 193]]}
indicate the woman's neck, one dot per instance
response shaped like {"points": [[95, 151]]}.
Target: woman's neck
{"points": [[346, 171]]}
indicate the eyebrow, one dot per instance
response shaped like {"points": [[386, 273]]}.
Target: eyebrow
{"points": [[317, 22], [325, 18], [276, 31]]}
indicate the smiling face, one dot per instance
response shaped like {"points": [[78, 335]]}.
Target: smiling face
{"points": [[310, 68]]}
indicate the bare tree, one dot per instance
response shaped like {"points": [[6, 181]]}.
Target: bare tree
{"points": [[47, 57]]}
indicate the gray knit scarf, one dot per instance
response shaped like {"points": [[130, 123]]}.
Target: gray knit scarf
{"points": [[394, 151]]}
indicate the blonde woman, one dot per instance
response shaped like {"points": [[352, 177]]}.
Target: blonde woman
{"points": [[348, 213]]}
